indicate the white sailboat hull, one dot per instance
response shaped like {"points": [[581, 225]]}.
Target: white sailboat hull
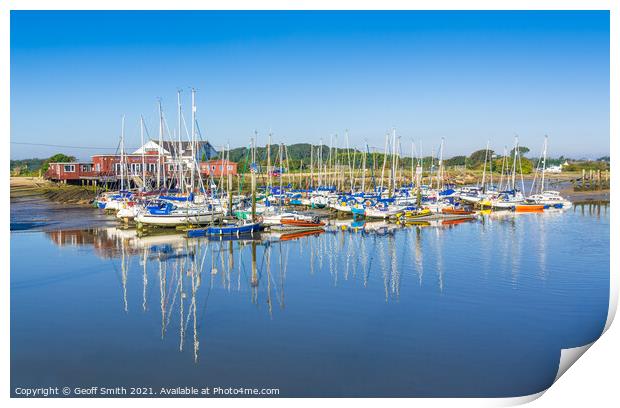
{"points": [[170, 220]]}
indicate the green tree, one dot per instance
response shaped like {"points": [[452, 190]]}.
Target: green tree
{"points": [[57, 158], [456, 161], [522, 150], [477, 158]]}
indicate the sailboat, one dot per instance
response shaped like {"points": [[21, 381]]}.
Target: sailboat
{"points": [[547, 198], [170, 211], [510, 198]]}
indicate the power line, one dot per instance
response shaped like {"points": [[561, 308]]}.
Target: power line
{"points": [[69, 147]]}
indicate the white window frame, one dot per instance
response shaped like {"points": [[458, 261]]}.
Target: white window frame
{"points": [[136, 168]]}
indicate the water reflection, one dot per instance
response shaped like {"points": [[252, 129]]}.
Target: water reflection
{"points": [[186, 271]]}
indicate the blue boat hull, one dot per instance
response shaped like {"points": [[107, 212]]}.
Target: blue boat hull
{"points": [[225, 230], [358, 211]]}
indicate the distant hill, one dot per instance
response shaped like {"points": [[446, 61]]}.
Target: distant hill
{"points": [[295, 152]]}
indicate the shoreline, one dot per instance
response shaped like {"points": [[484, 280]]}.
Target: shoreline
{"points": [[24, 187]]}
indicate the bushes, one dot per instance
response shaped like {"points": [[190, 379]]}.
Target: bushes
{"points": [[586, 165]]}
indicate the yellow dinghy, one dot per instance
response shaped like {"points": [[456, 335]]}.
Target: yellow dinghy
{"points": [[413, 214]]}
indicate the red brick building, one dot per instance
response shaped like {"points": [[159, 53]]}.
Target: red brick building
{"points": [[107, 167], [218, 168]]}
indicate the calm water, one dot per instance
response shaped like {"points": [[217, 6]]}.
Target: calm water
{"points": [[479, 308]]}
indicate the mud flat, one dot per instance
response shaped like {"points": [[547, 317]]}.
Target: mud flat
{"points": [[600, 196], [23, 187], [37, 204]]}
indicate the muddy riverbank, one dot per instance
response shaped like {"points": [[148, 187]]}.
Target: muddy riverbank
{"points": [[24, 187]]}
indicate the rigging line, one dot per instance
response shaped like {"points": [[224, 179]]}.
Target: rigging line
{"points": [[146, 129]]}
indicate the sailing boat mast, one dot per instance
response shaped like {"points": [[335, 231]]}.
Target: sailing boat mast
{"points": [[311, 185], [143, 162], [544, 165], [122, 164], [346, 138], [269, 171], [230, 181], [385, 155], [514, 163], [412, 161], [178, 158], [159, 148], [501, 174], [484, 169], [440, 170], [253, 170], [364, 170], [193, 140], [393, 173], [280, 173]]}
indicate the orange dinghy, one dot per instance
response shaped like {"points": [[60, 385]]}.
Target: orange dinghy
{"points": [[529, 208]]}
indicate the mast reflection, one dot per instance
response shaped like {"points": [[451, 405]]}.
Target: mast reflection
{"points": [[369, 256]]}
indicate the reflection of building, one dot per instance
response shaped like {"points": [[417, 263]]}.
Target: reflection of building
{"points": [[72, 237], [164, 159], [110, 242], [104, 245]]}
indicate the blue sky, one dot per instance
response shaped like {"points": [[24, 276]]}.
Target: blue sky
{"points": [[464, 76]]}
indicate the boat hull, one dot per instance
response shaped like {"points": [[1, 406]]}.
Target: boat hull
{"points": [[234, 230], [167, 220], [529, 208]]}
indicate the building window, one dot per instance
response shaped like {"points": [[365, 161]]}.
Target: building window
{"points": [[87, 167], [69, 168], [229, 167], [152, 167], [98, 167], [136, 168]]}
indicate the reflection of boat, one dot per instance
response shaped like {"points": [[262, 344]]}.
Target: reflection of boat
{"points": [[418, 223], [455, 221], [242, 227], [300, 234]]}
